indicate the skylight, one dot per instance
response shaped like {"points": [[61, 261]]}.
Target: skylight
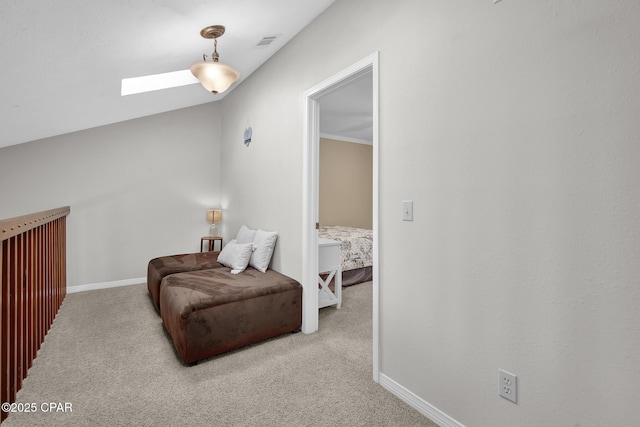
{"points": [[153, 82]]}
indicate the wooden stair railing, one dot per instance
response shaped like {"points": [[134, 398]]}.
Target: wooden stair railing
{"points": [[33, 278]]}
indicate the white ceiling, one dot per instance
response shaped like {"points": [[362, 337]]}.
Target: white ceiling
{"points": [[347, 113], [63, 60]]}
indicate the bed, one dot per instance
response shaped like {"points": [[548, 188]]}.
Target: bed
{"points": [[356, 252]]}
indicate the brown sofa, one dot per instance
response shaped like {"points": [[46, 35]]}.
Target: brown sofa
{"points": [[208, 310]]}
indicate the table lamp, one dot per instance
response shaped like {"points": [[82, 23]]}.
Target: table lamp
{"points": [[213, 217]]}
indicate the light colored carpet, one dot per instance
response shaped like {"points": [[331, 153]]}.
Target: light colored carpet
{"points": [[108, 355]]}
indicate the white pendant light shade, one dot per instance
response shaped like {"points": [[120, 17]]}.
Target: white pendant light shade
{"points": [[215, 77]]}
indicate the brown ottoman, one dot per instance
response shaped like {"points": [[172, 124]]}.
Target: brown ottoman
{"points": [[159, 268], [212, 311]]}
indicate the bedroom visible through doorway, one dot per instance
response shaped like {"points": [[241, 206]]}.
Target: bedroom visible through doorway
{"points": [[365, 74], [345, 169]]}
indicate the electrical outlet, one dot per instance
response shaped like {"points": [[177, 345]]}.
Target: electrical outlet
{"points": [[508, 385], [407, 210]]}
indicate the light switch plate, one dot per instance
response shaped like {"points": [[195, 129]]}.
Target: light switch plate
{"points": [[407, 210]]}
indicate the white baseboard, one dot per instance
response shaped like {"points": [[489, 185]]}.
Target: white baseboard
{"points": [[105, 285], [417, 403]]}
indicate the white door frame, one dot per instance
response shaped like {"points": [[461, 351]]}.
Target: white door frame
{"points": [[310, 191]]}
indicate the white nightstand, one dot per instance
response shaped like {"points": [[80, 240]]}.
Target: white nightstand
{"points": [[329, 261]]}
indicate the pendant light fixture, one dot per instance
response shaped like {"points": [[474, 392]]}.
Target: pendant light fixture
{"points": [[214, 76]]}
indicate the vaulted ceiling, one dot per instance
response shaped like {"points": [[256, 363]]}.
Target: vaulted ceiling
{"points": [[63, 60]]}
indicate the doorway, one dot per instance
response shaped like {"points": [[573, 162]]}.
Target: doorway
{"points": [[310, 209]]}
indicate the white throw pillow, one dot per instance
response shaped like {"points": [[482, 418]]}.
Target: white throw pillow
{"points": [[265, 242], [236, 256], [245, 235]]}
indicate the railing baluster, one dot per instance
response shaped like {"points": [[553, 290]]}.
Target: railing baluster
{"points": [[13, 284], [32, 297], [19, 311], [4, 325]]}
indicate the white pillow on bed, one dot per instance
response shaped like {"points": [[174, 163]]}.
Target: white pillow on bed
{"points": [[245, 235], [265, 242], [236, 256]]}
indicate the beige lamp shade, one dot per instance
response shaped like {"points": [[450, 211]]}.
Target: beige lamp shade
{"points": [[214, 216], [215, 77]]}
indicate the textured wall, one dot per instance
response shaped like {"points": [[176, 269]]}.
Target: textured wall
{"points": [[514, 129], [137, 189]]}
